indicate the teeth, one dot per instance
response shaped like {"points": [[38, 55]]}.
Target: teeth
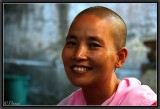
{"points": [[79, 68]]}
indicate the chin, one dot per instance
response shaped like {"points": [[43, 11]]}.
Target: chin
{"points": [[79, 83]]}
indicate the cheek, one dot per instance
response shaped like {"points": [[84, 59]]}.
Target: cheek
{"points": [[103, 59], [65, 55], [98, 59]]}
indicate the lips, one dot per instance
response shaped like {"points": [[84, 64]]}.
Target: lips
{"points": [[78, 68]]}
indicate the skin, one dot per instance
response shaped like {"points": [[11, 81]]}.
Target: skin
{"points": [[90, 44]]}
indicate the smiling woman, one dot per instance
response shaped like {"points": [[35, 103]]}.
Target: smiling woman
{"points": [[84, 45], [95, 47]]}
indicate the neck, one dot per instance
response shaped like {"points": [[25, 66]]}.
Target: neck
{"points": [[97, 94]]}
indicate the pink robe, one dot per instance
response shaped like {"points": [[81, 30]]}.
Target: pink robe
{"points": [[130, 92]]}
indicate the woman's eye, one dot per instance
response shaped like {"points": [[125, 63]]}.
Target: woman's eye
{"points": [[94, 45], [71, 43]]}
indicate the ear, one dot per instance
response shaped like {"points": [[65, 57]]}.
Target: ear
{"points": [[122, 56]]}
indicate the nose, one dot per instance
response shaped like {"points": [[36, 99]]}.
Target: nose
{"points": [[80, 54]]}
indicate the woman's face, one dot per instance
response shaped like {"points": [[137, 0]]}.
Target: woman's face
{"points": [[89, 54]]}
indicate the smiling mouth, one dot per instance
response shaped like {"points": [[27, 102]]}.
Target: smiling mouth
{"points": [[80, 68]]}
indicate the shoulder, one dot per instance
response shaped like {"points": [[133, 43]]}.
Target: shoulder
{"points": [[137, 94], [73, 99]]}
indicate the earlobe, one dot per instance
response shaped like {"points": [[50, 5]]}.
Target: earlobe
{"points": [[117, 65], [122, 56]]}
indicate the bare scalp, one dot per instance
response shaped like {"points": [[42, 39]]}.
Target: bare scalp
{"points": [[119, 29]]}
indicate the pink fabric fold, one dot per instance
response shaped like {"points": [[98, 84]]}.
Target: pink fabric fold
{"points": [[130, 92]]}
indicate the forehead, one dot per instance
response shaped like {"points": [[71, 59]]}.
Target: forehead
{"points": [[90, 25], [90, 19]]}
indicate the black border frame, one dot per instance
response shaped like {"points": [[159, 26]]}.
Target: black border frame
{"points": [[78, 1]]}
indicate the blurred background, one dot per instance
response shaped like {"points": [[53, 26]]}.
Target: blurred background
{"points": [[34, 35]]}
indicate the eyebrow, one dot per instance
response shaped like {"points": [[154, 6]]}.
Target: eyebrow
{"points": [[90, 38], [95, 38], [71, 37]]}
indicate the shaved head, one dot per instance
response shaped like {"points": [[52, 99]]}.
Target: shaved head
{"points": [[119, 29]]}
